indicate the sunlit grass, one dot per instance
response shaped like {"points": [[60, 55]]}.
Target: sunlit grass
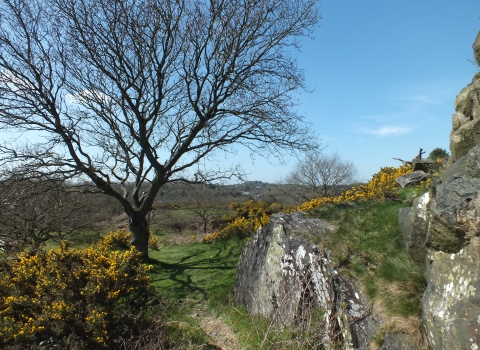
{"points": [[368, 245], [195, 270]]}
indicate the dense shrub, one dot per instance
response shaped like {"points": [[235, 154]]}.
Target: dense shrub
{"points": [[121, 240], [249, 217], [382, 186], [73, 298], [438, 153]]}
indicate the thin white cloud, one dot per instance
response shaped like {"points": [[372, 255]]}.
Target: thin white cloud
{"points": [[387, 130], [421, 98]]}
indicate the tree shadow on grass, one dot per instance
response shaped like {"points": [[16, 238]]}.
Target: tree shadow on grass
{"points": [[196, 271]]}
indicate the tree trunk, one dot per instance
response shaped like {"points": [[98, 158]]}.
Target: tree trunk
{"points": [[138, 226]]}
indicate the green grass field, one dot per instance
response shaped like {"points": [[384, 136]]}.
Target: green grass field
{"points": [[195, 270], [195, 276], [368, 245]]}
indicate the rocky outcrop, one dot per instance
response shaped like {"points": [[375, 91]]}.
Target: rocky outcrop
{"points": [[275, 268], [413, 224], [454, 214], [476, 48], [281, 276], [412, 179], [466, 121], [451, 302], [443, 229], [465, 132]]}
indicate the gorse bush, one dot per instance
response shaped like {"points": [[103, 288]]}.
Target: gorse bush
{"points": [[121, 239], [382, 186], [86, 296], [249, 217]]}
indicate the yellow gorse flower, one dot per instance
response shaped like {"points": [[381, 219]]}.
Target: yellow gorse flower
{"points": [[57, 290], [252, 215], [382, 186], [122, 238]]}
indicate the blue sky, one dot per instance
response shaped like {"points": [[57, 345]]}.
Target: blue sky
{"points": [[385, 76]]}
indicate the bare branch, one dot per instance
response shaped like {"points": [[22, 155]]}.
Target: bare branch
{"points": [[320, 175], [142, 91]]}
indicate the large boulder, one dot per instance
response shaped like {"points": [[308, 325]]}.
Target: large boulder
{"points": [[451, 303], [468, 165], [455, 206], [273, 268], [455, 215], [281, 275], [412, 179]]}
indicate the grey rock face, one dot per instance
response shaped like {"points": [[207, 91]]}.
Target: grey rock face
{"points": [[476, 48], [412, 179], [465, 132], [468, 165], [454, 219], [280, 276], [398, 342], [275, 268], [413, 224], [451, 303]]}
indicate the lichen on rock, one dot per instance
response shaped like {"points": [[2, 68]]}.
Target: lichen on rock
{"points": [[281, 276], [451, 302]]}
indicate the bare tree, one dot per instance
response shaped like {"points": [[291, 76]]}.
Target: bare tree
{"points": [[36, 210], [319, 175], [205, 203], [148, 91]]}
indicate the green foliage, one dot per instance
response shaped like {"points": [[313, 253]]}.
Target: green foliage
{"points": [[84, 298], [368, 245], [248, 218], [121, 239], [399, 284], [206, 273], [438, 153]]}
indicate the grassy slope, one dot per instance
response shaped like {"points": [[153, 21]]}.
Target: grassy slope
{"points": [[367, 245], [195, 270], [204, 274]]}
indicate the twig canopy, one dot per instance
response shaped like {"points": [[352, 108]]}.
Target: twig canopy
{"points": [[142, 91]]}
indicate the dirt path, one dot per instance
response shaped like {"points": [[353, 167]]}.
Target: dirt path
{"points": [[220, 334]]}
